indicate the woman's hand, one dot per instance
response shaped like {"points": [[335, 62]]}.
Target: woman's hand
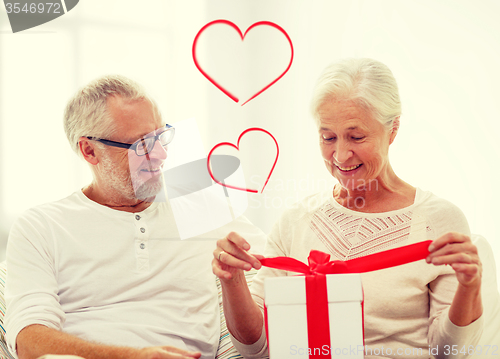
{"points": [[231, 256], [458, 251], [243, 317]]}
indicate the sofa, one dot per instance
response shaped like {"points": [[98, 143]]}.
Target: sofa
{"points": [[490, 295]]}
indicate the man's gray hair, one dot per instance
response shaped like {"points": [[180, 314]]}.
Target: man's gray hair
{"points": [[86, 113], [367, 82]]}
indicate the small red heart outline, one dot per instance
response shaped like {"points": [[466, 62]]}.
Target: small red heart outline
{"points": [[227, 22], [237, 146]]}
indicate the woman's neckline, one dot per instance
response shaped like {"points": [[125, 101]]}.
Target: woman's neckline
{"points": [[419, 196]]}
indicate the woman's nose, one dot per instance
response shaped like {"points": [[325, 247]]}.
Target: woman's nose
{"points": [[342, 152]]}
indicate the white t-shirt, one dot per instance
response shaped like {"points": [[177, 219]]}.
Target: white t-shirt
{"points": [[113, 277], [405, 307]]}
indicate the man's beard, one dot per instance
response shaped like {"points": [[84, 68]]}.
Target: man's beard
{"points": [[127, 185], [150, 188]]}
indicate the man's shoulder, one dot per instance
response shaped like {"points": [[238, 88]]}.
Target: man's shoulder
{"points": [[37, 224], [64, 206]]}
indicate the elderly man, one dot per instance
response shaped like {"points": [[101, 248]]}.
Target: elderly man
{"points": [[101, 273]]}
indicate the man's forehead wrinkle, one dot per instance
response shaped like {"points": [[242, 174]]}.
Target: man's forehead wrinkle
{"points": [[127, 124]]}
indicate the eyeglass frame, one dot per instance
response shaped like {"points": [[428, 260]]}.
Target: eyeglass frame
{"points": [[136, 143]]}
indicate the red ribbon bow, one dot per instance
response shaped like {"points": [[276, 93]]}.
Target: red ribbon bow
{"points": [[318, 327]]}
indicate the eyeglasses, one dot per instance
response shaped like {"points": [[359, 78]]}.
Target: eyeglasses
{"points": [[144, 145]]}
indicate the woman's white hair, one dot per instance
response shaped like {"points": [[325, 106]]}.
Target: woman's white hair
{"points": [[86, 113], [367, 82]]}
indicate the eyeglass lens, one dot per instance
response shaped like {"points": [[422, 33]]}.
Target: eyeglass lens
{"points": [[147, 144]]}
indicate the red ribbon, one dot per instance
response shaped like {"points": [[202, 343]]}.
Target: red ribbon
{"points": [[318, 327]]}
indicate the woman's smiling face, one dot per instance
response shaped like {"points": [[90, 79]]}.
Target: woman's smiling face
{"points": [[354, 145]]}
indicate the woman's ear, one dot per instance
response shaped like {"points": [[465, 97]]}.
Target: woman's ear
{"points": [[394, 130], [87, 150]]}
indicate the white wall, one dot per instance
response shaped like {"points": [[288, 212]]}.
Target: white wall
{"points": [[442, 53]]}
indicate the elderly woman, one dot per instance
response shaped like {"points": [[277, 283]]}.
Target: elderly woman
{"points": [[435, 302]]}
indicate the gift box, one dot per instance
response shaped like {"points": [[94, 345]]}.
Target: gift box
{"points": [[320, 314], [292, 334]]}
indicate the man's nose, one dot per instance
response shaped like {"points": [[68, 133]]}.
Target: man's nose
{"points": [[342, 152], [158, 152]]}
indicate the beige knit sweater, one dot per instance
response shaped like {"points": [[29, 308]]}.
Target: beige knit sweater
{"points": [[405, 307]]}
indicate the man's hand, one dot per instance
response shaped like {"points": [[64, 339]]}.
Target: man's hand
{"points": [[167, 352]]}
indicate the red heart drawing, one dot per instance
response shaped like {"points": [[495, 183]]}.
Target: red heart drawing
{"points": [[238, 148], [226, 22]]}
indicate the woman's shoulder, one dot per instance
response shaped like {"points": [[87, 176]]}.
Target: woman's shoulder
{"points": [[435, 204], [442, 214]]}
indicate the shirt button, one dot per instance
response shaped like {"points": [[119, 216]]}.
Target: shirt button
{"points": [[143, 230], [142, 246], [137, 217]]}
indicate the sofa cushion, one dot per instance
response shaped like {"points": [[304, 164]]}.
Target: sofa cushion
{"points": [[4, 353]]}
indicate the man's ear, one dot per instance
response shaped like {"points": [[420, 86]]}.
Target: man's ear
{"points": [[394, 130], [87, 150]]}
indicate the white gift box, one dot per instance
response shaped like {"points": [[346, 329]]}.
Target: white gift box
{"points": [[285, 300]]}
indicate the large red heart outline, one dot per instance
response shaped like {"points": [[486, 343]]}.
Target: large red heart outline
{"points": [[237, 147], [226, 22]]}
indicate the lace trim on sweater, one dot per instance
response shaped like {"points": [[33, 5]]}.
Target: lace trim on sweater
{"points": [[350, 236]]}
